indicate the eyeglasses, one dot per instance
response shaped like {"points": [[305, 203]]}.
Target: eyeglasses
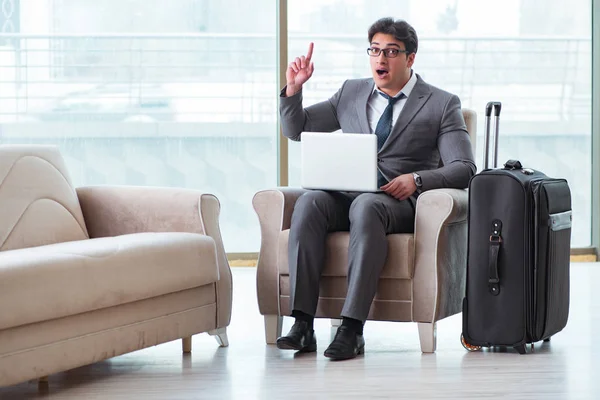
{"points": [[388, 53]]}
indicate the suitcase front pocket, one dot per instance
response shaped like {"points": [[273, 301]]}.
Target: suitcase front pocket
{"points": [[557, 284]]}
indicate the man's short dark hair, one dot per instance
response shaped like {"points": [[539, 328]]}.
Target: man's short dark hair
{"points": [[399, 29]]}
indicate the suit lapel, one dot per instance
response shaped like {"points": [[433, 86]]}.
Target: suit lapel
{"points": [[362, 98], [417, 99]]}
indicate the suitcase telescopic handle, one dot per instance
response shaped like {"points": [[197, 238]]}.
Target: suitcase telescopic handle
{"points": [[496, 106]]}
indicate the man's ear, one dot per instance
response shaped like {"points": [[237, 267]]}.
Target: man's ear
{"points": [[411, 60]]}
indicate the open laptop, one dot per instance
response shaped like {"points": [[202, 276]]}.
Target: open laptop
{"points": [[339, 161]]}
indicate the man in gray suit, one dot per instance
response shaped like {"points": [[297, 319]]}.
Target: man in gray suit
{"points": [[422, 144]]}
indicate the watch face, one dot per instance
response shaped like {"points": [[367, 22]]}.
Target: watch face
{"points": [[417, 179]]}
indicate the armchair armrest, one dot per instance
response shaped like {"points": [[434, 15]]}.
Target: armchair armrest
{"points": [[440, 254], [274, 209], [120, 210]]}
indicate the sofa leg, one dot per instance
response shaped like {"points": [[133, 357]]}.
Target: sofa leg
{"points": [[221, 336], [273, 325], [427, 337], [186, 344], [336, 322], [43, 386]]}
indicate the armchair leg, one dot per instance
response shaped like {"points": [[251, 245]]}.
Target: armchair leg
{"points": [[336, 322], [186, 344], [427, 337], [221, 336], [273, 324]]}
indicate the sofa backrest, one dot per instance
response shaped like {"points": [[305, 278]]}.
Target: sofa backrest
{"points": [[38, 203]]}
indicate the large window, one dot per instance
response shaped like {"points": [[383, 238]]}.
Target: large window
{"points": [[145, 92], [148, 92], [533, 55]]}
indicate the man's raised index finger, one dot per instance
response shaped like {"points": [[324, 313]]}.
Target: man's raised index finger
{"points": [[310, 50]]}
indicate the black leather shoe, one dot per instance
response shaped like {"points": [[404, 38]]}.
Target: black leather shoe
{"points": [[300, 338], [346, 344]]}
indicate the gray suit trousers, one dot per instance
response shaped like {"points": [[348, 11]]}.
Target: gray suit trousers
{"points": [[369, 217]]}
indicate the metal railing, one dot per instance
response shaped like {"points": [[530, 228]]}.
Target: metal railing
{"points": [[227, 78]]}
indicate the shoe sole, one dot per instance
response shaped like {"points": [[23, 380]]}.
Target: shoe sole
{"points": [[283, 345], [345, 357]]}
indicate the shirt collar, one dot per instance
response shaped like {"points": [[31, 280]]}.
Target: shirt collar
{"points": [[407, 89]]}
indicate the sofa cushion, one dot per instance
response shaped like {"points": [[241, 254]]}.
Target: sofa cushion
{"points": [[398, 265], [58, 280], [39, 203]]}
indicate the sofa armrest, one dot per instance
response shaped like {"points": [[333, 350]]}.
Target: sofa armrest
{"points": [[274, 208], [120, 210], [440, 254]]}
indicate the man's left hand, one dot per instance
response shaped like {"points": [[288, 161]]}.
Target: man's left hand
{"points": [[401, 187]]}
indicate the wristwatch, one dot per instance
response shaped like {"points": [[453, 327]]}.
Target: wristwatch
{"points": [[418, 180]]}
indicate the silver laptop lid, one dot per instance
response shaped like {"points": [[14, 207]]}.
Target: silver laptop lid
{"points": [[339, 161]]}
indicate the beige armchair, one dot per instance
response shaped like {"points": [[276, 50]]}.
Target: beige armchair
{"points": [[423, 279]]}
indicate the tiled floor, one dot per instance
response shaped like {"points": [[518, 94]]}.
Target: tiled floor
{"points": [[393, 366]]}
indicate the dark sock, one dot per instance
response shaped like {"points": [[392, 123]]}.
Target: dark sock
{"points": [[354, 324], [302, 316]]}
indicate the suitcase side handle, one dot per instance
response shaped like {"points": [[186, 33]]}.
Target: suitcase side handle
{"points": [[495, 243], [497, 107]]}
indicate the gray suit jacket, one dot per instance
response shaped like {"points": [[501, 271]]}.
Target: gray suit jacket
{"points": [[429, 137]]}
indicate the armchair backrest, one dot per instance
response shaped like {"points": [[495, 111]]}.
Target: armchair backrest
{"points": [[38, 204], [470, 117]]}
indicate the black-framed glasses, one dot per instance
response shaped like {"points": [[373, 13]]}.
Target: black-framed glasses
{"points": [[388, 53]]}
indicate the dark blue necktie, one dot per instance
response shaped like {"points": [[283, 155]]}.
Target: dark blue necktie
{"points": [[384, 127]]}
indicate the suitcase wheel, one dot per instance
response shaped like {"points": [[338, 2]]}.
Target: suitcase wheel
{"points": [[468, 346]]}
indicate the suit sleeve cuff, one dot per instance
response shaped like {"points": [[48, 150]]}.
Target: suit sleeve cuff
{"points": [[283, 95], [427, 178]]}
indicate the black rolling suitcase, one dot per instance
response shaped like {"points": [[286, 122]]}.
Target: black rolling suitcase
{"points": [[519, 239]]}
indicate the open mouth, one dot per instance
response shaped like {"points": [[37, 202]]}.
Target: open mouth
{"points": [[382, 73]]}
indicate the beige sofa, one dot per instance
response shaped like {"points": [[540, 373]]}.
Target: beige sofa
{"points": [[90, 273], [423, 279]]}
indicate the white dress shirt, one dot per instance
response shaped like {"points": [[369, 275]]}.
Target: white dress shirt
{"points": [[377, 103]]}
